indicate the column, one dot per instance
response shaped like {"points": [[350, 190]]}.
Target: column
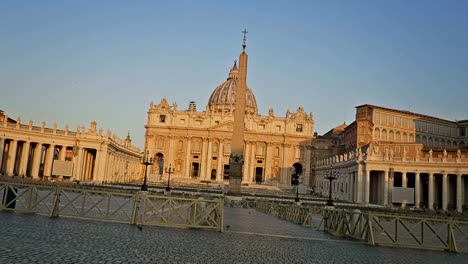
{"points": [[367, 189], [36, 161], [251, 167], [417, 190], [385, 188], [268, 163], [404, 183], [219, 170], [2, 148], [284, 166], [48, 161], [77, 163], [459, 193], [63, 152], [187, 157], [359, 185], [209, 159], [203, 159], [245, 170], [404, 179], [444, 192], [11, 157], [431, 191], [97, 176], [24, 159]]}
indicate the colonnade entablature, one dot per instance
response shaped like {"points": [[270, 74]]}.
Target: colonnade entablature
{"points": [[43, 133]]}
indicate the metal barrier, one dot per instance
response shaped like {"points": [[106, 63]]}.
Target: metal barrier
{"points": [[376, 228], [137, 208]]}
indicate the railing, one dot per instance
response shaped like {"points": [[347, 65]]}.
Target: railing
{"points": [[118, 206], [377, 228]]}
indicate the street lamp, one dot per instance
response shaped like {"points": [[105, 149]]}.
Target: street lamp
{"points": [[297, 188], [169, 171], [146, 160], [331, 176]]}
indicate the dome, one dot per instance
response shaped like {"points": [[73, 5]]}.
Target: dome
{"points": [[223, 98]]}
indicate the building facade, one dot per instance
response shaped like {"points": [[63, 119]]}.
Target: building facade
{"points": [[89, 154], [197, 144], [385, 151]]}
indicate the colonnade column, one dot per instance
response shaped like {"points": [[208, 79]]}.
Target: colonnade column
{"points": [[11, 157], [219, 170], [404, 183], [367, 186], [36, 161], [63, 152], [385, 188], [48, 160], [24, 159], [2, 148], [359, 186], [417, 189], [444, 191], [459, 193], [431, 191], [187, 158]]}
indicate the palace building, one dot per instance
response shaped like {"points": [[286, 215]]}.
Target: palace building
{"points": [[394, 158], [197, 144]]}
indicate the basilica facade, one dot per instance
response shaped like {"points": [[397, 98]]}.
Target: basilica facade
{"points": [[197, 144]]}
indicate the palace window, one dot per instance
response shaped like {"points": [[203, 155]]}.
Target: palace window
{"points": [[162, 118], [299, 128], [278, 128]]}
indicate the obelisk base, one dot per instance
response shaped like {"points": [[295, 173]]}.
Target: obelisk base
{"points": [[235, 178]]}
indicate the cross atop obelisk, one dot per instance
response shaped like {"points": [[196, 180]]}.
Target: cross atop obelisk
{"points": [[236, 160], [245, 39]]}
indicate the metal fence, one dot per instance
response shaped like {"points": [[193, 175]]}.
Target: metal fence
{"points": [[118, 206], [376, 228]]}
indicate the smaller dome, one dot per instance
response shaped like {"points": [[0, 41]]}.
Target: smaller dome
{"points": [[224, 96]]}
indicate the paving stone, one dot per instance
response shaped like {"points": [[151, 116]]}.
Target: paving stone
{"points": [[252, 237]]}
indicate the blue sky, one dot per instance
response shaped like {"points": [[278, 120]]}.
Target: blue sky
{"points": [[77, 61]]}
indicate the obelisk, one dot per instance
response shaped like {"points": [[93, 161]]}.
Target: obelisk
{"points": [[237, 146]]}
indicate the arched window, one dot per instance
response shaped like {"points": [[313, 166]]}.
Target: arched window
{"points": [[384, 134], [411, 138], [398, 136], [405, 137], [391, 136], [377, 133]]}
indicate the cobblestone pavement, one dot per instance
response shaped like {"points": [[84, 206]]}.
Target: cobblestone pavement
{"points": [[252, 237]]}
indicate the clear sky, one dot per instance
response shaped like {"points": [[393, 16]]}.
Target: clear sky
{"points": [[77, 61]]}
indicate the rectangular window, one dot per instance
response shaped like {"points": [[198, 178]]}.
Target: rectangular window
{"points": [[299, 128], [261, 127], [198, 122], [278, 128], [216, 122], [182, 121], [162, 118]]}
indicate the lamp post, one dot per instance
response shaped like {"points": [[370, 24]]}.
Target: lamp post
{"points": [[331, 176], [297, 188], [169, 171], [146, 160]]}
